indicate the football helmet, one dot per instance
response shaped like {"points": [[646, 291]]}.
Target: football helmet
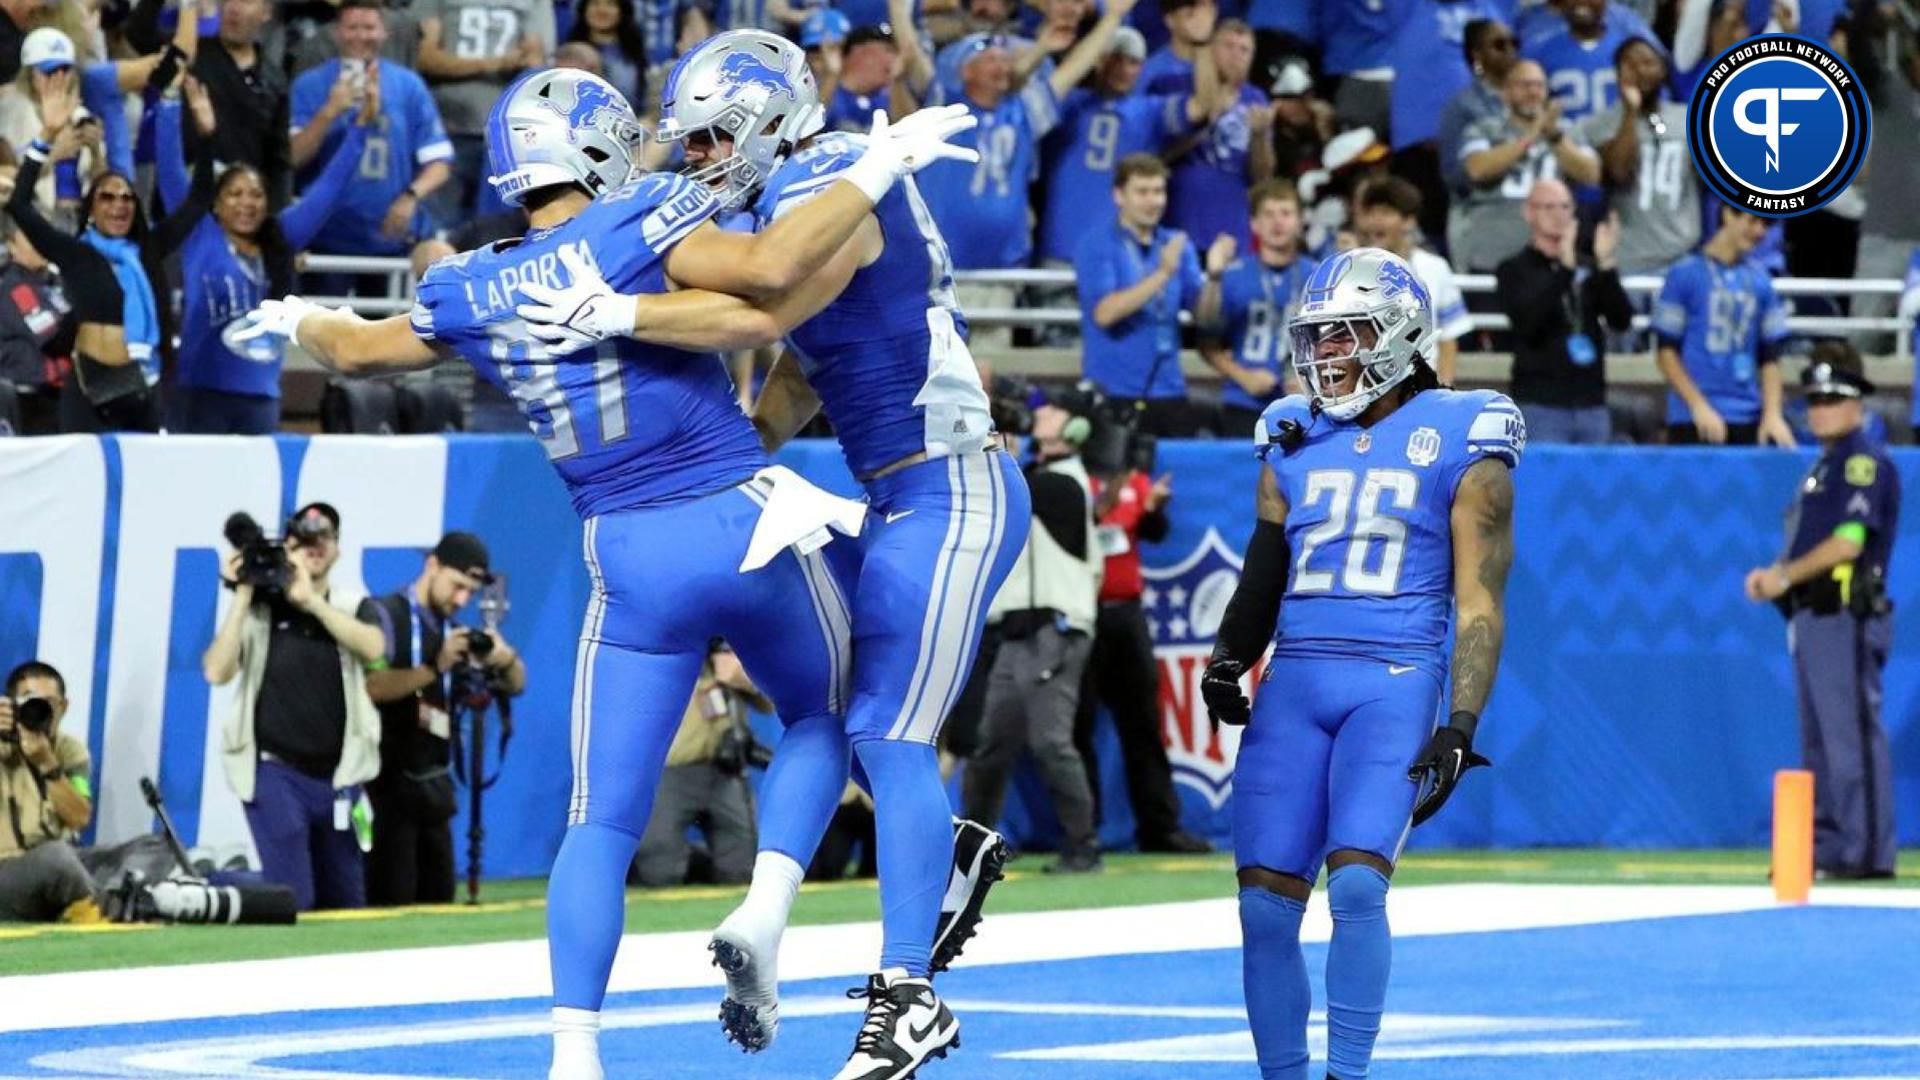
{"points": [[753, 87], [1371, 299], [561, 126]]}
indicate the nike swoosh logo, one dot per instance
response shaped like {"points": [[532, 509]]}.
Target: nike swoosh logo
{"points": [[1396, 669], [920, 1034], [896, 516]]}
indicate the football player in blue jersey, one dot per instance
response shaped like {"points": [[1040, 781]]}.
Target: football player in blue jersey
{"points": [[1385, 521], [689, 534], [887, 360]]}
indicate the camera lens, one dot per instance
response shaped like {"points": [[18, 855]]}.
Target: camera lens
{"points": [[35, 715]]}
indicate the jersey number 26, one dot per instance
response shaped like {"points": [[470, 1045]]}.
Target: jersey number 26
{"points": [[1359, 525]]}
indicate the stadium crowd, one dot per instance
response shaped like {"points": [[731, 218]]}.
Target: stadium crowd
{"points": [[167, 165]]}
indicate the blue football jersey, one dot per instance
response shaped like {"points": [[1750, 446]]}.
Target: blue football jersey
{"points": [[1369, 522], [1257, 302], [1095, 132], [1718, 317], [983, 207], [888, 357], [1430, 67], [627, 425], [1357, 35]]}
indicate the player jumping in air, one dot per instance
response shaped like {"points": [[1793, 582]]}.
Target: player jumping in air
{"points": [[667, 474], [886, 358], [1385, 505]]}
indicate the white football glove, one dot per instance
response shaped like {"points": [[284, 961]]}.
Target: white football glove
{"points": [[582, 313], [897, 150], [280, 318]]}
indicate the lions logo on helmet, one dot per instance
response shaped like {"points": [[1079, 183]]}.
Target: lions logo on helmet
{"points": [[1365, 317], [753, 95], [557, 128]]}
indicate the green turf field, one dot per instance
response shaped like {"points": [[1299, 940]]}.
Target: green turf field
{"points": [[515, 910]]}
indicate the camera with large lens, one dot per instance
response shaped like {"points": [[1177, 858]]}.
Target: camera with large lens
{"points": [[737, 751], [35, 715], [263, 558], [1116, 444], [1010, 404], [479, 646]]}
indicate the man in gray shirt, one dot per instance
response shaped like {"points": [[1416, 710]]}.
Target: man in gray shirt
{"points": [[1643, 150], [469, 51], [1503, 157]]}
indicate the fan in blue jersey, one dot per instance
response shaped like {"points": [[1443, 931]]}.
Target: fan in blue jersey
{"points": [[233, 252], [1100, 125], [1189, 26], [1246, 306], [689, 534], [983, 210], [1212, 174], [1385, 520], [405, 159], [1720, 326], [886, 358], [1578, 55]]}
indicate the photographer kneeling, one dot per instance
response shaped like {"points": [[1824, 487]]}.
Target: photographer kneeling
{"points": [[705, 782], [427, 659], [43, 781], [303, 734]]}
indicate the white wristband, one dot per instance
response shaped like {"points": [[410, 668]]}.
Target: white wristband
{"points": [[873, 175]]}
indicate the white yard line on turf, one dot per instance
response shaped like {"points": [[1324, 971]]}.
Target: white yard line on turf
{"points": [[518, 969]]}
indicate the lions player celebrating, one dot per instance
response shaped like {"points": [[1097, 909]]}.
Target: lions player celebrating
{"points": [[667, 473], [1385, 502], [888, 362]]}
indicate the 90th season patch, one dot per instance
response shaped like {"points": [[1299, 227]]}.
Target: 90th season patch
{"points": [[1779, 125]]}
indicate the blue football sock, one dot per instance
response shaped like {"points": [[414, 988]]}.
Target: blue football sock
{"points": [[803, 786], [1358, 961], [586, 911], [1274, 973], [914, 825]]}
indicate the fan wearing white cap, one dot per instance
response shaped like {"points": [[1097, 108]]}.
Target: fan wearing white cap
{"points": [[1101, 124], [103, 87]]}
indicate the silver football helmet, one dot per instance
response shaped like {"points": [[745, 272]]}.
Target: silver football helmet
{"points": [[751, 86], [561, 127], [1369, 299]]}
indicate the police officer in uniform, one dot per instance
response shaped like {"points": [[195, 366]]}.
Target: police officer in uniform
{"points": [[1832, 587]]}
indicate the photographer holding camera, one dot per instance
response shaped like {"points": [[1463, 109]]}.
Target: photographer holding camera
{"points": [[416, 687], [705, 782], [43, 782], [303, 735], [1044, 617]]}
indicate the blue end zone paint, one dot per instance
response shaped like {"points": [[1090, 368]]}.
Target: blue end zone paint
{"points": [[21, 575], [103, 640], [183, 745], [1821, 972]]}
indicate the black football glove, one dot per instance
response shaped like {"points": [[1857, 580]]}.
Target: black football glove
{"points": [[1448, 756], [1220, 687]]}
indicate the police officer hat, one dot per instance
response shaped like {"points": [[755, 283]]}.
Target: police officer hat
{"points": [[1835, 371]]}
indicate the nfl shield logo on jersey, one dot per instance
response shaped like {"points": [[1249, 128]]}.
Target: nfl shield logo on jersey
{"points": [[1423, 447], [1183, 604]]}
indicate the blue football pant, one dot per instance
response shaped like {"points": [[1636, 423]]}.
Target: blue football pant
{"points": [[1323, 768], [665, 582], [940, 539]]}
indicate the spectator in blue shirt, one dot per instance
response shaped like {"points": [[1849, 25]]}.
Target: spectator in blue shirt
{"points": [[870, 66], [982, 208], [1135, 278], [1217, 169], [1578, 56], [1720, 326], [1247, 304], [1099, 125], [1358, 39], [402, 161], [613, 27], [1189, 27], [235, 255]]}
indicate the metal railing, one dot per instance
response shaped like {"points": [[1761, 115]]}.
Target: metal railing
{"points": [[399, 298]]}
